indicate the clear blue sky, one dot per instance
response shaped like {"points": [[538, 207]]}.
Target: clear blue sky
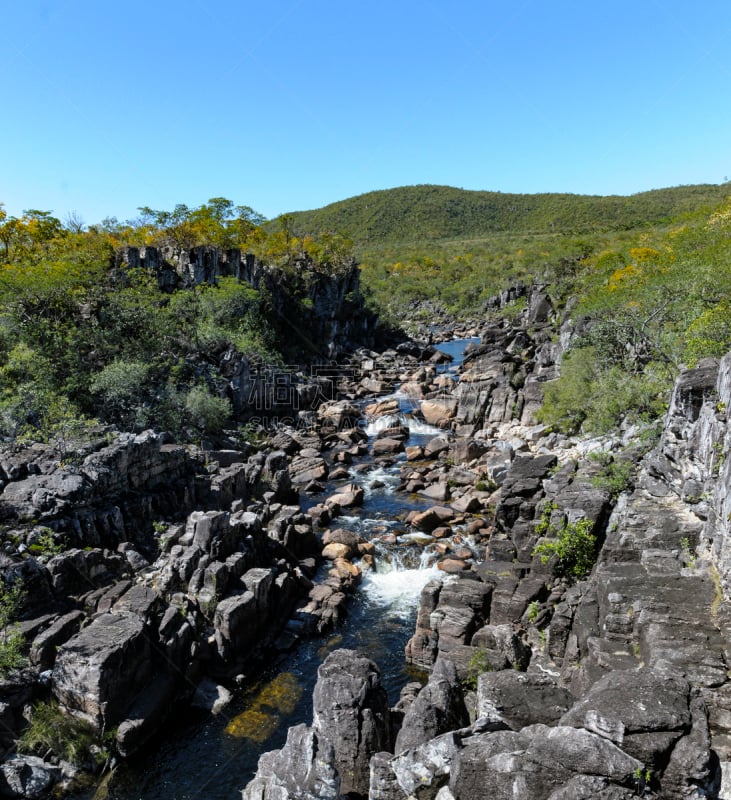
{"points": [[292, 104]]}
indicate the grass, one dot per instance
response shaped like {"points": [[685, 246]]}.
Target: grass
{"points": [[51, 731]]}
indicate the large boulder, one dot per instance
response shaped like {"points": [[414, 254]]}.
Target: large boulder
{"points": [[642, 711], [518, 699], [101, 669], [438, 708], [303, 769], [27, 776], [350, 709], [236, 622]]}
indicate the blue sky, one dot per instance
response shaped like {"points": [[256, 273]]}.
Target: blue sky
{"points": [[290, 105]]}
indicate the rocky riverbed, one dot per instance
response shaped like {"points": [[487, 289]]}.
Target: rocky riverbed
{"points": [[183, 571]]}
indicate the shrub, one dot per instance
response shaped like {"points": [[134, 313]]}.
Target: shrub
{"points": [[207, 413], [574, 544], [122, 385], [478, 663], [595, 398], [11, 640], [614, 477]]}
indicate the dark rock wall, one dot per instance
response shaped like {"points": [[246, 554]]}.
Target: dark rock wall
{"points": [[334, 321]]}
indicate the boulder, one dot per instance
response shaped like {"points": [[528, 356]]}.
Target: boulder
{"points": [[438, 708], [146, 715], [98, 671], [518, 699], [236, 623], [303, 769], [642, 711], [349, 496], [421, 772], [211, 696], [45, 645], [350, 709], [439, 412], [435, 447], [387, 446], [382, 408], [505, 640], [414, 452], [437, 491], [305, 469], [27, 776], [336, 550], [338, 413]]}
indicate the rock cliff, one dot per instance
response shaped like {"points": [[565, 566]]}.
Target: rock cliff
{"points": [[331, 321]]}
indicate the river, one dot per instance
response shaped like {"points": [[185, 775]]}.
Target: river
{"points": [[214, 757]]}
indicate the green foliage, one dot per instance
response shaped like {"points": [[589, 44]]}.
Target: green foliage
{"points": [[412, 213], [458, 248], [207, 413], [44, 545], [67, 737], [654, 302], [615, 475], [122, 385], [688, 552], [595, 397], [80, 340], [709, 334], [573, 544], [479, 662], [11, 640]]}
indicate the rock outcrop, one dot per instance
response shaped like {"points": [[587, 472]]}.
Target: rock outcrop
{"points": [[351, 723], [334, 318]]}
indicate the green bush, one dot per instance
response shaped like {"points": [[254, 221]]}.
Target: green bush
{"points": [[594, 398], [574, 544], [615, 475], [478, 663], [208, 414]]}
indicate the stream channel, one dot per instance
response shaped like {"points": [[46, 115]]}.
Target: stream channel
{"points": [[215, 757]]}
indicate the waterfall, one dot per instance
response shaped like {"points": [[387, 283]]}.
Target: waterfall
{"points": [[416, 427]]}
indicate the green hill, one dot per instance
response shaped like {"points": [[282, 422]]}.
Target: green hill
{"points": [[416, 213]]}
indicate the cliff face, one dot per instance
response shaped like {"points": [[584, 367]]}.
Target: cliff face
{"points": [[331, 320]]}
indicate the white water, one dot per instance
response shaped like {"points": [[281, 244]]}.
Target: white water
{"points": [[416, 427], [422, 429], [396, 589], [379, 424]]}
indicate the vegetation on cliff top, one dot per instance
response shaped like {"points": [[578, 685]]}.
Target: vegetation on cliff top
{"points": [[82, 340]]}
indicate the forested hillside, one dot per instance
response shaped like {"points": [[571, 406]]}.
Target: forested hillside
{"points": [[458, 248], [647, 278], [413, 213]]}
